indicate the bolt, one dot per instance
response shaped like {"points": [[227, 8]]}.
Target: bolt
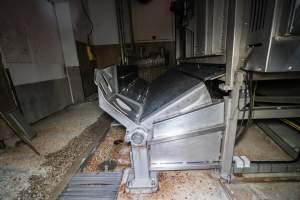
{"points": [[153, 182], [129, 183]]}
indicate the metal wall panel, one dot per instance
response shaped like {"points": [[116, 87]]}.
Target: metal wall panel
{"points": [[273, 47], [209, 27], [193, 149]]}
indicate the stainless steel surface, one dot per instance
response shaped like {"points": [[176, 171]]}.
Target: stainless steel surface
{"points": [[175, 138], [275, 112], [93, 186], [202, 118], [193, 133], [268, 22], [183, 150], [184, 166], [176, 110], [202, 71], [269, 168], [178, 124], [234, 39], [209, 27], [231, 118], [162, 90]]}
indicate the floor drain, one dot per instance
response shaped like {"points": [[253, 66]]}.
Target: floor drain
{"points": [[108, 165]]}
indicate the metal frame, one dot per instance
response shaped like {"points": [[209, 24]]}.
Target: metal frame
{"points": [[238, 25], [273, 112], [164, 139], [274, 47]]}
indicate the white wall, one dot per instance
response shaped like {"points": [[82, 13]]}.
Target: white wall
{"points": [[80, 23], [30, 41], [66, 32], [153, 19], [103, 14]]}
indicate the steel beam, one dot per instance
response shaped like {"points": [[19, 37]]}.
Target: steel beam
{"points": [[273, 112]]}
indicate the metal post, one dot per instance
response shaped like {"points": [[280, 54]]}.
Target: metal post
{"points": [[119, 16], [234, 80], [140, 178], [231, 119], [234, 40]]}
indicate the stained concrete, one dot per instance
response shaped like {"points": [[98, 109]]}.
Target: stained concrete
{"points": [[40, 99], [20, 167]]}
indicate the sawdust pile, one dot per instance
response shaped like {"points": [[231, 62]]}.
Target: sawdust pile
{"points": [[60, 162], [111, 148]]}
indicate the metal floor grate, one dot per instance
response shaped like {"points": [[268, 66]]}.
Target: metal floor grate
{"points": [[93, 186]]}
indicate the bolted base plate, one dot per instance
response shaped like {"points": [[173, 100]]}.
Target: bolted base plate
{"points": [[141, 186]]}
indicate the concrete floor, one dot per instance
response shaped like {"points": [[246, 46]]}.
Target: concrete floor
{"points": [[23, 174]]}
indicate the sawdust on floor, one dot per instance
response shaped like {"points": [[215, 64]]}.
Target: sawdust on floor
{"points": [[59, 163], [182, 185], [61, 137], [111, 148]]}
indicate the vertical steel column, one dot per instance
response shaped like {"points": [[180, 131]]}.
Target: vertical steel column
{"points": [[119, 15], [140, 178], [234, 81], [233, 40], [231, 119], [140, 162]]}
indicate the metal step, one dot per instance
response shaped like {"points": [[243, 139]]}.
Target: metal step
{"points": [[93, 186]]}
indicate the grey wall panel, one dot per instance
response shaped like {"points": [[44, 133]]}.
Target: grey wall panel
{"points": [[80, 22], [38, 100], [75, 82], [103, 15]]}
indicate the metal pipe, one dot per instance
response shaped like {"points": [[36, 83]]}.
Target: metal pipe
{"points": [[131, 27], [120, 32]]}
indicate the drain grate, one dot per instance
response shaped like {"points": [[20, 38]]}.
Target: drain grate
{"points": [[93, 186]]}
